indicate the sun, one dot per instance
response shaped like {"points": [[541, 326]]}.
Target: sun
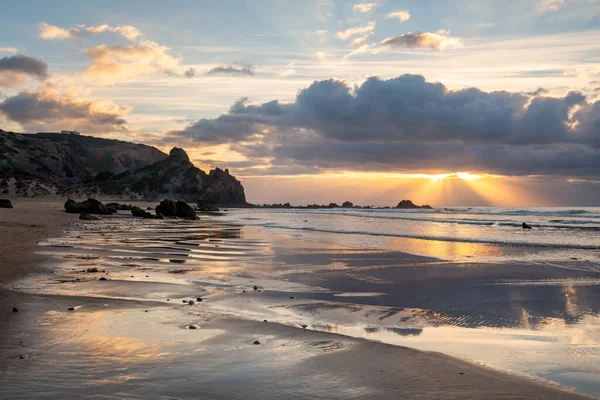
{"points": [[465, 176]]}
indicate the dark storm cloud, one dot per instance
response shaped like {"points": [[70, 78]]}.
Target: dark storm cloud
{"points": [[235, 69], [22, 64], [537, 92], [35, 109], [406, 123]]}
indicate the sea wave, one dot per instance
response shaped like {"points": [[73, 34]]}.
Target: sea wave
{"points": [[437, 238], [579, 224]]}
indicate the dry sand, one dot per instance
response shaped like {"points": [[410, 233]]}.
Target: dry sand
{"points": [[126, 349]]}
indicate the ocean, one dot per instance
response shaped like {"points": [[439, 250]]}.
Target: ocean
{"points": [[467, 282], [481, 233]]}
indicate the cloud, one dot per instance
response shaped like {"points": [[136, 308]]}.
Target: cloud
{"points": [[47, 109], [8, 49], [551, 5], [403, 16], [321, 55], [324, 9], [360, 40], [189, 73], [15, 70], [365, 7], [288, 71], [439, 40], [235, 69], [358, 30], [538, 92], [409, 124], [111, 64], [51, 32]]}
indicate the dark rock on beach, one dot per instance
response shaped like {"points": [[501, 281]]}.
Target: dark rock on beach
{"points": [[5, 203], [205, 207], [525, 226], [179, 209], [89, 206], [138, 212]]}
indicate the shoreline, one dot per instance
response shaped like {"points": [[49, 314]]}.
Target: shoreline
{"points": [[387, 371]]}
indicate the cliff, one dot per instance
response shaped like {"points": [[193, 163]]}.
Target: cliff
{"points": [[174, 177], [48, 163]]}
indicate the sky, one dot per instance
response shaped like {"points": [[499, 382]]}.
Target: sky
{"points": [[444, 102]]}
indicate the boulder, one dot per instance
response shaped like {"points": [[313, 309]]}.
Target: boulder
{"points": [[5, 203], [179, 209], [88, 217], [167, 208], [138, 212], [205, 207], [347, 204]]}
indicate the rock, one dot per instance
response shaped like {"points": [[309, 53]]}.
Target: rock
{"points": [[90, 206], [138, 212], [5, 203], [71, 309], [407, 204], [204, 207], [92, 270], [304, 326], [199, 299], [179, 209], [255, 288], [88, 217], [292, 297], [120, 207], [15, 309], [256, 342], [347, 204], [191, 302], [264, 320], [192, 327], [525, 226], [102, 279]]}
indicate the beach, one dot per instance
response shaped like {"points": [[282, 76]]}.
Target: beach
{"points": [[330, 318]]}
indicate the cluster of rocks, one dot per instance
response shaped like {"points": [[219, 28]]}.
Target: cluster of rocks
{"points": [[404, 204], [89, 208]]}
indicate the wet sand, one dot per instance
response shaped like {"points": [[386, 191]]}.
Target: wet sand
{"points": [[123, 339]]}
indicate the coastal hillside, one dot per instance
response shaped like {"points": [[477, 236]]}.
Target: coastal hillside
{"points": [[48, 163], [174, 177]]}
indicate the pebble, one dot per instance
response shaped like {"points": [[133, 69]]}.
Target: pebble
{"points": [[102, 279], [185, 301], [256, 342], [192, 327], [264, 320], [199, 299], [255, 287], [292, 297], [71, 309], [191, 302], [304, 326], [15, 309]]}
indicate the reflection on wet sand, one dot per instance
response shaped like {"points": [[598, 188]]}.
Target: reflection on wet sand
{"points": [[514, 316]]}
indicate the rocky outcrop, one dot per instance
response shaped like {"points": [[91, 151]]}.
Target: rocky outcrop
{"points": [[178, 209], [408, 205], [41, 164], [175, 178], [347, 204]]}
